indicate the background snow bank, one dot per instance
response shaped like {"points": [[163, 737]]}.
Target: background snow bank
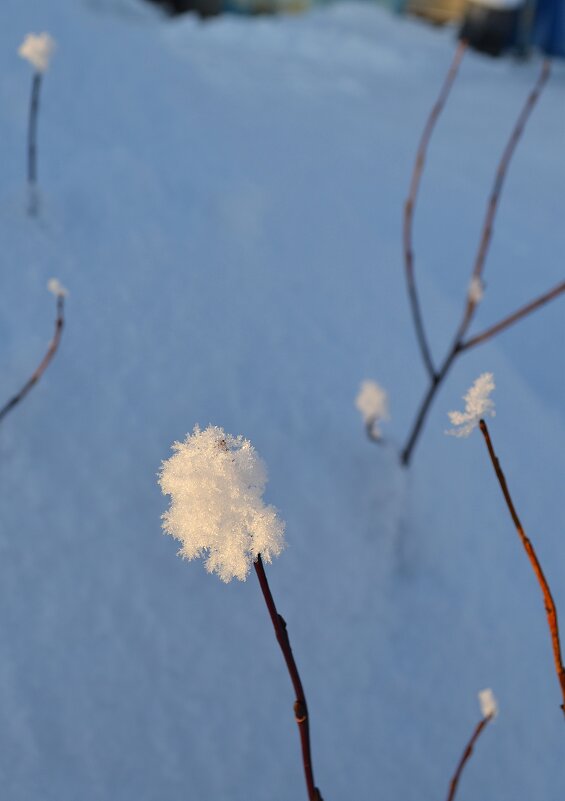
{"points": [[224, 201]]}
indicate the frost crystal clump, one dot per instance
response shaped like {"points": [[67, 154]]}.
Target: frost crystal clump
{"points": [[216, 482], [372, 402], [478, 404], [487, 701], [57, 288], [37, 48]]}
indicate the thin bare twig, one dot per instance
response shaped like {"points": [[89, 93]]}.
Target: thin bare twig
{"points": [[300, 706], [459, 344], [548, 601], [488, 225], [51, 350], [466, 755], [493, 330], [32, 143], [411, 203]]}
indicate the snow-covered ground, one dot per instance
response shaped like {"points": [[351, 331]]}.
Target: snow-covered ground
{"points": [[224, 201]]}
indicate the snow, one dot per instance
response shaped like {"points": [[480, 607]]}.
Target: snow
{"points": [[56, 288], [224, 200], [478, 404], [38, 50], [372, 402], [216, 483], [487, 702]]}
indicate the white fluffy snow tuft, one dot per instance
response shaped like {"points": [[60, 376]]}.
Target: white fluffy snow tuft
{"points": [[476, 290], [487, 701], [478, 404], [372, 402], [216, 482], [57, 288], [37, 48]]}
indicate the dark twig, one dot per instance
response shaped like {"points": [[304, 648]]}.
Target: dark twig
{"points": [[466, 755], [411, 203], [300, 706], [32, 143], [459, 344], [51, 350], [493, 330], [548, 601]]}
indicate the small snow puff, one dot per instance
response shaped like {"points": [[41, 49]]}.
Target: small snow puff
{"points": [[372, 402], [57, 288], [478, 404], [37, 48], [216, 482], [476, 290], [487, 701]]}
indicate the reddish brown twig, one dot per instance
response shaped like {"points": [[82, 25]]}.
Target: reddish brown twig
{"points": [[466, 755], [51, 350], [300, 706], [459, 344], [493, 330], [411, 203], [548, 601]]}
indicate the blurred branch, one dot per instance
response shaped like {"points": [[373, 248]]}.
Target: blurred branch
{"points": [[411, 203], [42, 367], [513, 318], [549, 603], [459, 344]]}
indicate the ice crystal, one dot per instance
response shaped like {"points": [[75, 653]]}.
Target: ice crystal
{"points": [[216, 483], [37, 48], [478, 404]]}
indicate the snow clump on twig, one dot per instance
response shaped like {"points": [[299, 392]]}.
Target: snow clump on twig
{"points": [[487, 701], [372, 402], [37, 48], [216, 482], [478, 404], [57, 288]]}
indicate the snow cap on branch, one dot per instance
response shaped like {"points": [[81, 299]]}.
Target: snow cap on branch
{"points": [[57, 288], [487, 701], [478, 404], [37, 48], [372, 402], [476, 290], [216, 482]]}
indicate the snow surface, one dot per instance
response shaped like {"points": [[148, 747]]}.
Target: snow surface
{"points": [[223, 201]]}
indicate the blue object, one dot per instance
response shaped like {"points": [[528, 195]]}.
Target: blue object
{"points": [[549, 27]]}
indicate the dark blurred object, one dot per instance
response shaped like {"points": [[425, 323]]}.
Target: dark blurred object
{"points": [[490, 26], [205, 8], [549, 27]]}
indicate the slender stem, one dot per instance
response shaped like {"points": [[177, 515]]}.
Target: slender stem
{"points": [[411, 203], [38, 372], [459, 343], [466, 755], [300, 706], [548, 601], [492, 207], [493, 330], [32, 141]]}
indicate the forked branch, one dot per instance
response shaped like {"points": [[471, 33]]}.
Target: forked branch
{"points": [[522, 312], [548, 601], [42, 367], [300, 706], [460, 343]]}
